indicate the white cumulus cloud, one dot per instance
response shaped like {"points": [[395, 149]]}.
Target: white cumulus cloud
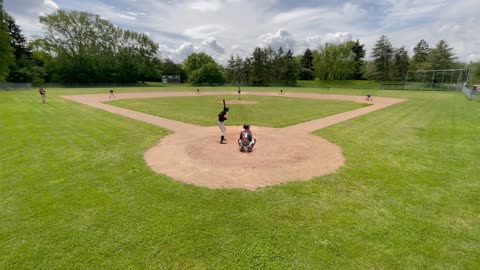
{"points": [[51, 4], [337, 38], [282, 38], [315, 41], [211, 44], [177, 54]]}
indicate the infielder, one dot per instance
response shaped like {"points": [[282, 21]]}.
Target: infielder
{"points": [[239, 93], [111, 94]]}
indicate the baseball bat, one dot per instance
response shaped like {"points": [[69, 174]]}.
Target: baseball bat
{"points": [[224, 106]]}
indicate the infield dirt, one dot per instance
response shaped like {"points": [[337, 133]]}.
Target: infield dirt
{"points": [[193, 154]]}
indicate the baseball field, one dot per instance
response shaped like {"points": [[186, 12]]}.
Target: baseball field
{"points": [[334, 182]]}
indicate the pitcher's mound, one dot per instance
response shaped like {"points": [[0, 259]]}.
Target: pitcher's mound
{"points": [[240, 102]]}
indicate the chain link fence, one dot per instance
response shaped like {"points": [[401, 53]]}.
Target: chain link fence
{"points": [[14, 86]]}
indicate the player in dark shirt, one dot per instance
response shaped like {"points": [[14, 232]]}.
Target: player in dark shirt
{"points": [[111, 94], [239, 94], [369, 97], [222, 117]]}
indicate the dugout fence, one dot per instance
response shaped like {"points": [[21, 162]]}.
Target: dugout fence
{"points": [[13, 86]]}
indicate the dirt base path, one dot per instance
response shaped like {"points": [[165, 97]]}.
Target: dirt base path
{"points": [[192, 154]]}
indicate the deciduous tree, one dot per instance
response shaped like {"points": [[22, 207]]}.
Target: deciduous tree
{"points": [[91, 49], [196, 61], [209, 73], [334, 62]]}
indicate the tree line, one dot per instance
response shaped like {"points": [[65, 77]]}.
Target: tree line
{"points": [[77, 47], [80, 47]]}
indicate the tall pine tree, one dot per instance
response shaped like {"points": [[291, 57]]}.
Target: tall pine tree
{"points": [[307, 69], [290, 74], [358, 60], [18, 42], [442, 56], [420, 55], [260, 67], [382, 55], [400, 64], [25, 68]]}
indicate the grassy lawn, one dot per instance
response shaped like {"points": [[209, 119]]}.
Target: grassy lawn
{"points": [[75, 194], [269, 111]]}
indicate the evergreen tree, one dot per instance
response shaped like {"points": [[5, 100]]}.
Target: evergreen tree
{"points": [[18, 40], [358, 60], [270, 63], [307, 70], [233, 71], [382, 57], [230, 70], [442, 56], [290, 74], [307, 60], [261, 66], [400, 64], [420, 55], [246, 70], [25, 68], [279, 65], [238, 67], [306, 74]]}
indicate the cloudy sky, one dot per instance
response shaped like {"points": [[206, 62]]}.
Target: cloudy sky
{"points": [[223, 27]]}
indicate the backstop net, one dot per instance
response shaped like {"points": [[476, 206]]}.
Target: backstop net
{"points": [[447, 79]]}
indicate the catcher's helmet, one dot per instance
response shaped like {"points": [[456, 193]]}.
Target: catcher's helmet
{"points": [[246, 126]]}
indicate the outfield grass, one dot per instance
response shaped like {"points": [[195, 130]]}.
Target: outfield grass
{"points": [[269, 111], [75, 194]]}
